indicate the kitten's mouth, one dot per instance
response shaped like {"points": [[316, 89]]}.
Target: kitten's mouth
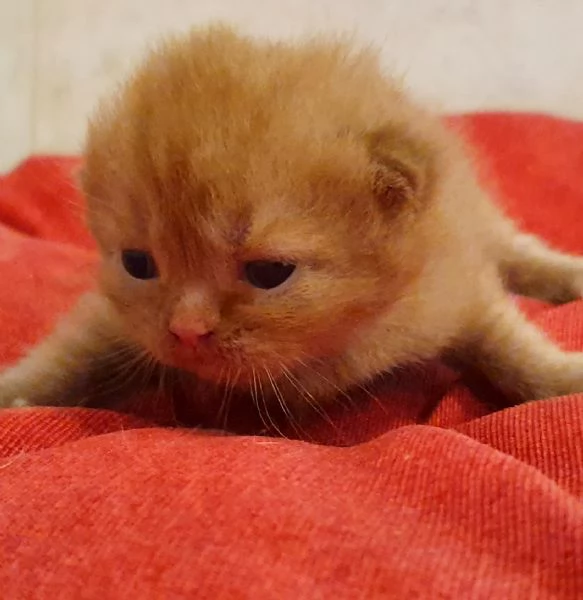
{"points": [[221, 366], [235, 374]]}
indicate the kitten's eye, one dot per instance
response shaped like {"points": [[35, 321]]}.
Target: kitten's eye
{"points": [[139, 264], [267, 275]]}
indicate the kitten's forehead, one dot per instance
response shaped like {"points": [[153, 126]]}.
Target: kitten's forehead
{"points": [[201, 201], [206, 208]]}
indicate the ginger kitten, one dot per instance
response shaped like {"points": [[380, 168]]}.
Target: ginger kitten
{"points": [[282, 221]]}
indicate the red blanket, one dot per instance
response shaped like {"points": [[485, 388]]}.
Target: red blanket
{"points": [[425, 491]]}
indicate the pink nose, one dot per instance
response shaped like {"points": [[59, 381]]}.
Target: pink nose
{"points": [[191, 336]]}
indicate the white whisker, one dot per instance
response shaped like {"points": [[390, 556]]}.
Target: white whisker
{"points": [[306, 395]]}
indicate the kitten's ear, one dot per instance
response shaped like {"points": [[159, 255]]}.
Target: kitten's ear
{"points": [[402, 168]]}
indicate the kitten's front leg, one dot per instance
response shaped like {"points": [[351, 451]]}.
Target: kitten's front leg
{"points": [[85, 361], [516, 356]]}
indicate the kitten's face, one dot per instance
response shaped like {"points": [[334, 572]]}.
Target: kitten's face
{"points": [[247, 243], [257, 276]]}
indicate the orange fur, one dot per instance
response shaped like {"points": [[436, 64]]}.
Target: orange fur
{"points": [[222, 150]]}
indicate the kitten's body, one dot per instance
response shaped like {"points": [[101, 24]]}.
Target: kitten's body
{"points": [[222, 151]]}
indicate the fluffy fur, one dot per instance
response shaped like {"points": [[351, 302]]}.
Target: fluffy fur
{"points": [[222, 150]]}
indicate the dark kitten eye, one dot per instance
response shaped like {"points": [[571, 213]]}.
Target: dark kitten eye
{"points": [[139, 264], [267, 275]]}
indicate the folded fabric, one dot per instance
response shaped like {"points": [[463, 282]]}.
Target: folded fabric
{"points": [[427, 488]]}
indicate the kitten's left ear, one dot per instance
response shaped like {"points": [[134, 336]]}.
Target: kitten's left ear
{"points": [[402, 166]]}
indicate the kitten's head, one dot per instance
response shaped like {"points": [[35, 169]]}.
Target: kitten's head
{"points": [[255, 204]]}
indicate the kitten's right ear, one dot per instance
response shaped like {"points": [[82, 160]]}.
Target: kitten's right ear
{"points": [[402, 168]]}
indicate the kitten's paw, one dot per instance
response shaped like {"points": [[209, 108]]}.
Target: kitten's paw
{"points": [[564, 284], [8, 400], [567, 379], [15, 390], [19, 403], [569, 285]]}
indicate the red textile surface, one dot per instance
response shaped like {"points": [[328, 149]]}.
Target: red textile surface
{"points": [[427, 494]]}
